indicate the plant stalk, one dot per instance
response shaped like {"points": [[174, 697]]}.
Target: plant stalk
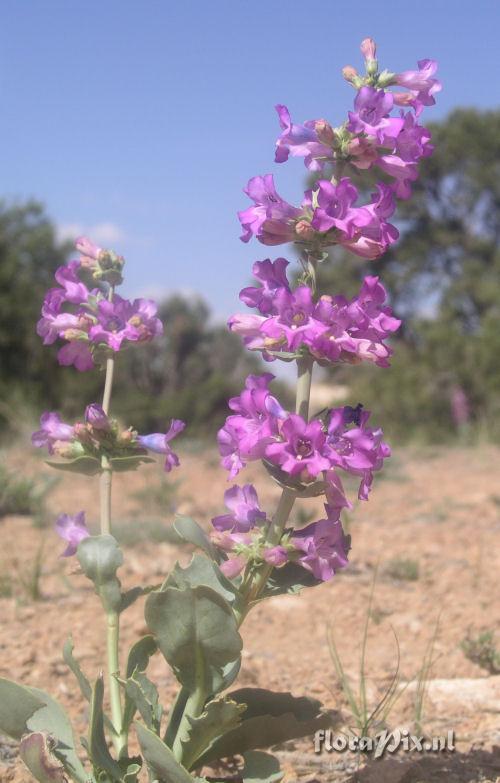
{"points": [[112, 618]]}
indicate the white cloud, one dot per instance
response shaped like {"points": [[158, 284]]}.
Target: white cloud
{"points": [[101, 233]]}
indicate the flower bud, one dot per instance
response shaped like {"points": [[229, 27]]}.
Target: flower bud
{"points": [[368, 49], [233, 567], [125, 437], [276, 556], [403, 98], [68, 450], [304, 230], [369, 52], [351, 75], [324, 132], [87, 248], [363, 151], [96, 417]]}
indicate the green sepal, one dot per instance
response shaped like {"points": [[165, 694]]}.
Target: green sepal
{"points": [[261, 768], [100, 557], [159, 758], [285, 356], [183, 623]]}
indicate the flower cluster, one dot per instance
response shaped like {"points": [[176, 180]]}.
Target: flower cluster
{"points": [[327, 216], [331, 329], [90, 322], [321, 547], [373, 136], [303, 451], [100, 435]]}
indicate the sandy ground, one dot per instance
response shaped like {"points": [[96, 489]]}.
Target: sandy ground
{"points": [[437, 507]]}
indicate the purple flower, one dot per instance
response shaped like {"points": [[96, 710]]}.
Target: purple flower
{"points": [[159, 443], [73, 530], [77, 353], [324, 547], [271, 219], [272, 275], [335, 208], [412, 144], [52, 430], [245, 511], [73, 289], [96, 417], [421, 82], [373, 239], [333, 328], [54, 324], [294, 323], [121, 320], [300, 450], [371, 115], [250, 329], [253, 425], [359, 450], [300, 141]]}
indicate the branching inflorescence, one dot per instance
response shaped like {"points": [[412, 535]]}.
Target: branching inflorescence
{"points": [[194, 616]]}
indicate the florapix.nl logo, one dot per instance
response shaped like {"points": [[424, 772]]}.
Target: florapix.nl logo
{"points": [[325, 741]]}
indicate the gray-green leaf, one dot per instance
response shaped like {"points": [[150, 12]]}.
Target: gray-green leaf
{"points": [[191, 532], [202, 571], [35, 750], [159, 758], [89, 466], [261, 768], [138, 660], [218, 717], [270, 718], [17, 705], [97, 745], [197, 633], [100, 557]]}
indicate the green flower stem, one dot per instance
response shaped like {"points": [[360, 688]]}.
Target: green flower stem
{"points": [[288, 496], [112, 618]]}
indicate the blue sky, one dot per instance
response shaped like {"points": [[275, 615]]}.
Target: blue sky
{"points": [[140, 122]]}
